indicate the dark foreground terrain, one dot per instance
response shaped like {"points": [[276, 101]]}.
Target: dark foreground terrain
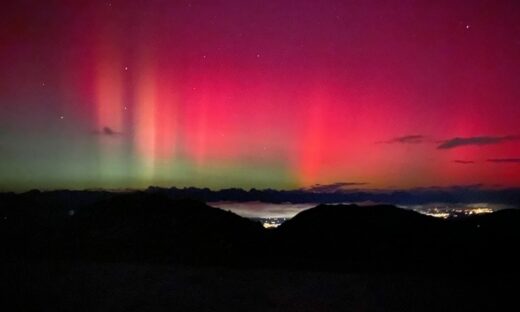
{"points": [[68, 251], [166, 287]]}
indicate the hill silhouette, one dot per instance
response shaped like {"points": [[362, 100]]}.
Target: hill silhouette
{"points": [[384, 237], [151, 227], [358, 237], [135, 226]]}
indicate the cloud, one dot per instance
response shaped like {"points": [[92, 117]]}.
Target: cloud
{"points": [[476, 141], [258, 209], [504, 160], [107, 131], [464, 162], [331, 188], [407, 139]]}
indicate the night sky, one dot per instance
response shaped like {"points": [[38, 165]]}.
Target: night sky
{"points": [[279, 94]]}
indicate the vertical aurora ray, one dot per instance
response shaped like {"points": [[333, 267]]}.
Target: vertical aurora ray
{"points": [[145, 122], [109, 124], [311, 144], [166, 121], [195, 123], [109, 95]]}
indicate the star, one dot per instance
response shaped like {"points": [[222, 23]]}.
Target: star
{"points": [[43, 84], [258, 55], [126, 67], [467, 26], [62, 117]]}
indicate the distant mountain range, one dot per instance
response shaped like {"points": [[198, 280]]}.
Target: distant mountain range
{"points": [[463, 194], [416, 196], [152, 227]]}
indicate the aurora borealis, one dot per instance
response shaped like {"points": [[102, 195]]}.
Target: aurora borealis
{"points": [[278, 94]]}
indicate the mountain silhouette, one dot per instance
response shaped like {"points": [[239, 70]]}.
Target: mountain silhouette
{"points": [[384, 237], [358, 237], [135, 226], [152, 227]]}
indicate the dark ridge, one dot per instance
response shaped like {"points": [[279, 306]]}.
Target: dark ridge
{"points": [[384, 237], [152, 227], [135, 226], [340, 236]]}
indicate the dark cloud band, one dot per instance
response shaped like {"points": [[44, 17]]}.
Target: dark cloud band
{"points": [[407, 139], [464, 162], [504, 160], [334, 187], [476, 141]]}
